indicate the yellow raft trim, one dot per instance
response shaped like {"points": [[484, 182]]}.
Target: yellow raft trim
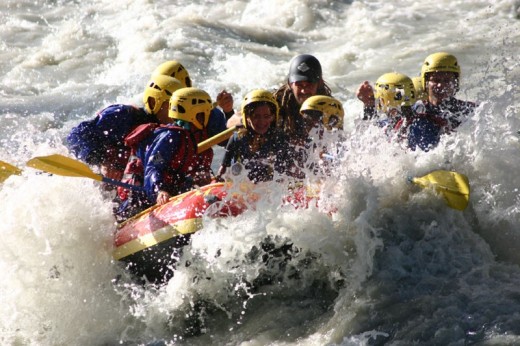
{"points": [[182, 227]]}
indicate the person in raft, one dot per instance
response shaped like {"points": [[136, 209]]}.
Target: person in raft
{"points": [[100, 141], [441, 113], [390, 102], [259, 147], [169, 152], [304, 80], [420, 94], [391, 91], [216, 122], [323, 117]]}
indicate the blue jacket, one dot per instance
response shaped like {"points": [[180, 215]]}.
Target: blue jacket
{"points": [[170, 160], [101, 139], [164, 157], [217, 123], [430, 122]]}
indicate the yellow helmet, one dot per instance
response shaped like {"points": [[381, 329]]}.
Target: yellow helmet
{"points": [[160, 88], [393, 90], [439, 62], [420, 94], [259, 95], [187, 103], [331, 110], [174, 69]]}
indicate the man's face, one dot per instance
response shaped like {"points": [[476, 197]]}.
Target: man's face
{"points": [[303, 90], [441, 85]]}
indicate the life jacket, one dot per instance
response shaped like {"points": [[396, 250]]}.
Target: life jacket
{"points": [[134, 170], [400, 125], [458, 111], [180, 169], [184, 172], [262, 155], [448, 115]]}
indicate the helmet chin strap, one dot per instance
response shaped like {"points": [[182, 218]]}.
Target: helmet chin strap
{"points": [[184, 124]]}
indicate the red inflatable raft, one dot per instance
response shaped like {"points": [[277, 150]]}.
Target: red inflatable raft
{"points": [[150, 243]]}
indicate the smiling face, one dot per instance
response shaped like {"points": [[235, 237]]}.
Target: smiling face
{"points": [[260, 119], [441, 85]]}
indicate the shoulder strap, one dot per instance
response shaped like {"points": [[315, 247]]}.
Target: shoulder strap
{"points": [[138, 134]]}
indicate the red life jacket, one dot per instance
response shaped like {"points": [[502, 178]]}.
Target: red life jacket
{"points": [[185, 166]]}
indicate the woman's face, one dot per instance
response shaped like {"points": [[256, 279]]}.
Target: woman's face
{"points": [[260, 120]]}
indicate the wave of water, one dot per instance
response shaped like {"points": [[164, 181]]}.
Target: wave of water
{"points": [[393, 265]]}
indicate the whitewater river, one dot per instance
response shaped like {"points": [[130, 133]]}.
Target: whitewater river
{"points": [[392, 266]]}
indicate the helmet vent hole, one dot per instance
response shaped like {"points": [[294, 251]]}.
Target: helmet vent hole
{"points": [[333, 120]]}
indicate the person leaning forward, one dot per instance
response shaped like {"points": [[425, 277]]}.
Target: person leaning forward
{"points": [[100, 141]]}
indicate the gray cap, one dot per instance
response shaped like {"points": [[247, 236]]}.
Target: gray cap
{"points": [[306, 68]]}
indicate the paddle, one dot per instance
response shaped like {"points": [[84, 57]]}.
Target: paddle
{"points": [[452, 185], [65, 166], [222, 136], [6, 170]]}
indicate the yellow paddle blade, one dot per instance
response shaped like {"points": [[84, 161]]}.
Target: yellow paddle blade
{"points": [[6, 170], [222, 136], [452, 185], [62, 165]]}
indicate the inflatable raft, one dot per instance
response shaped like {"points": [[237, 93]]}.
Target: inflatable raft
{"points": [[151, 242]]}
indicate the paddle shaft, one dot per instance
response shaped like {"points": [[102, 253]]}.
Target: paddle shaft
{"points": [[120, 183], [220, 137]]}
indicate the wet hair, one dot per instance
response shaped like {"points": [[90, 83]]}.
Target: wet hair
{"points": [[289, 118]]}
